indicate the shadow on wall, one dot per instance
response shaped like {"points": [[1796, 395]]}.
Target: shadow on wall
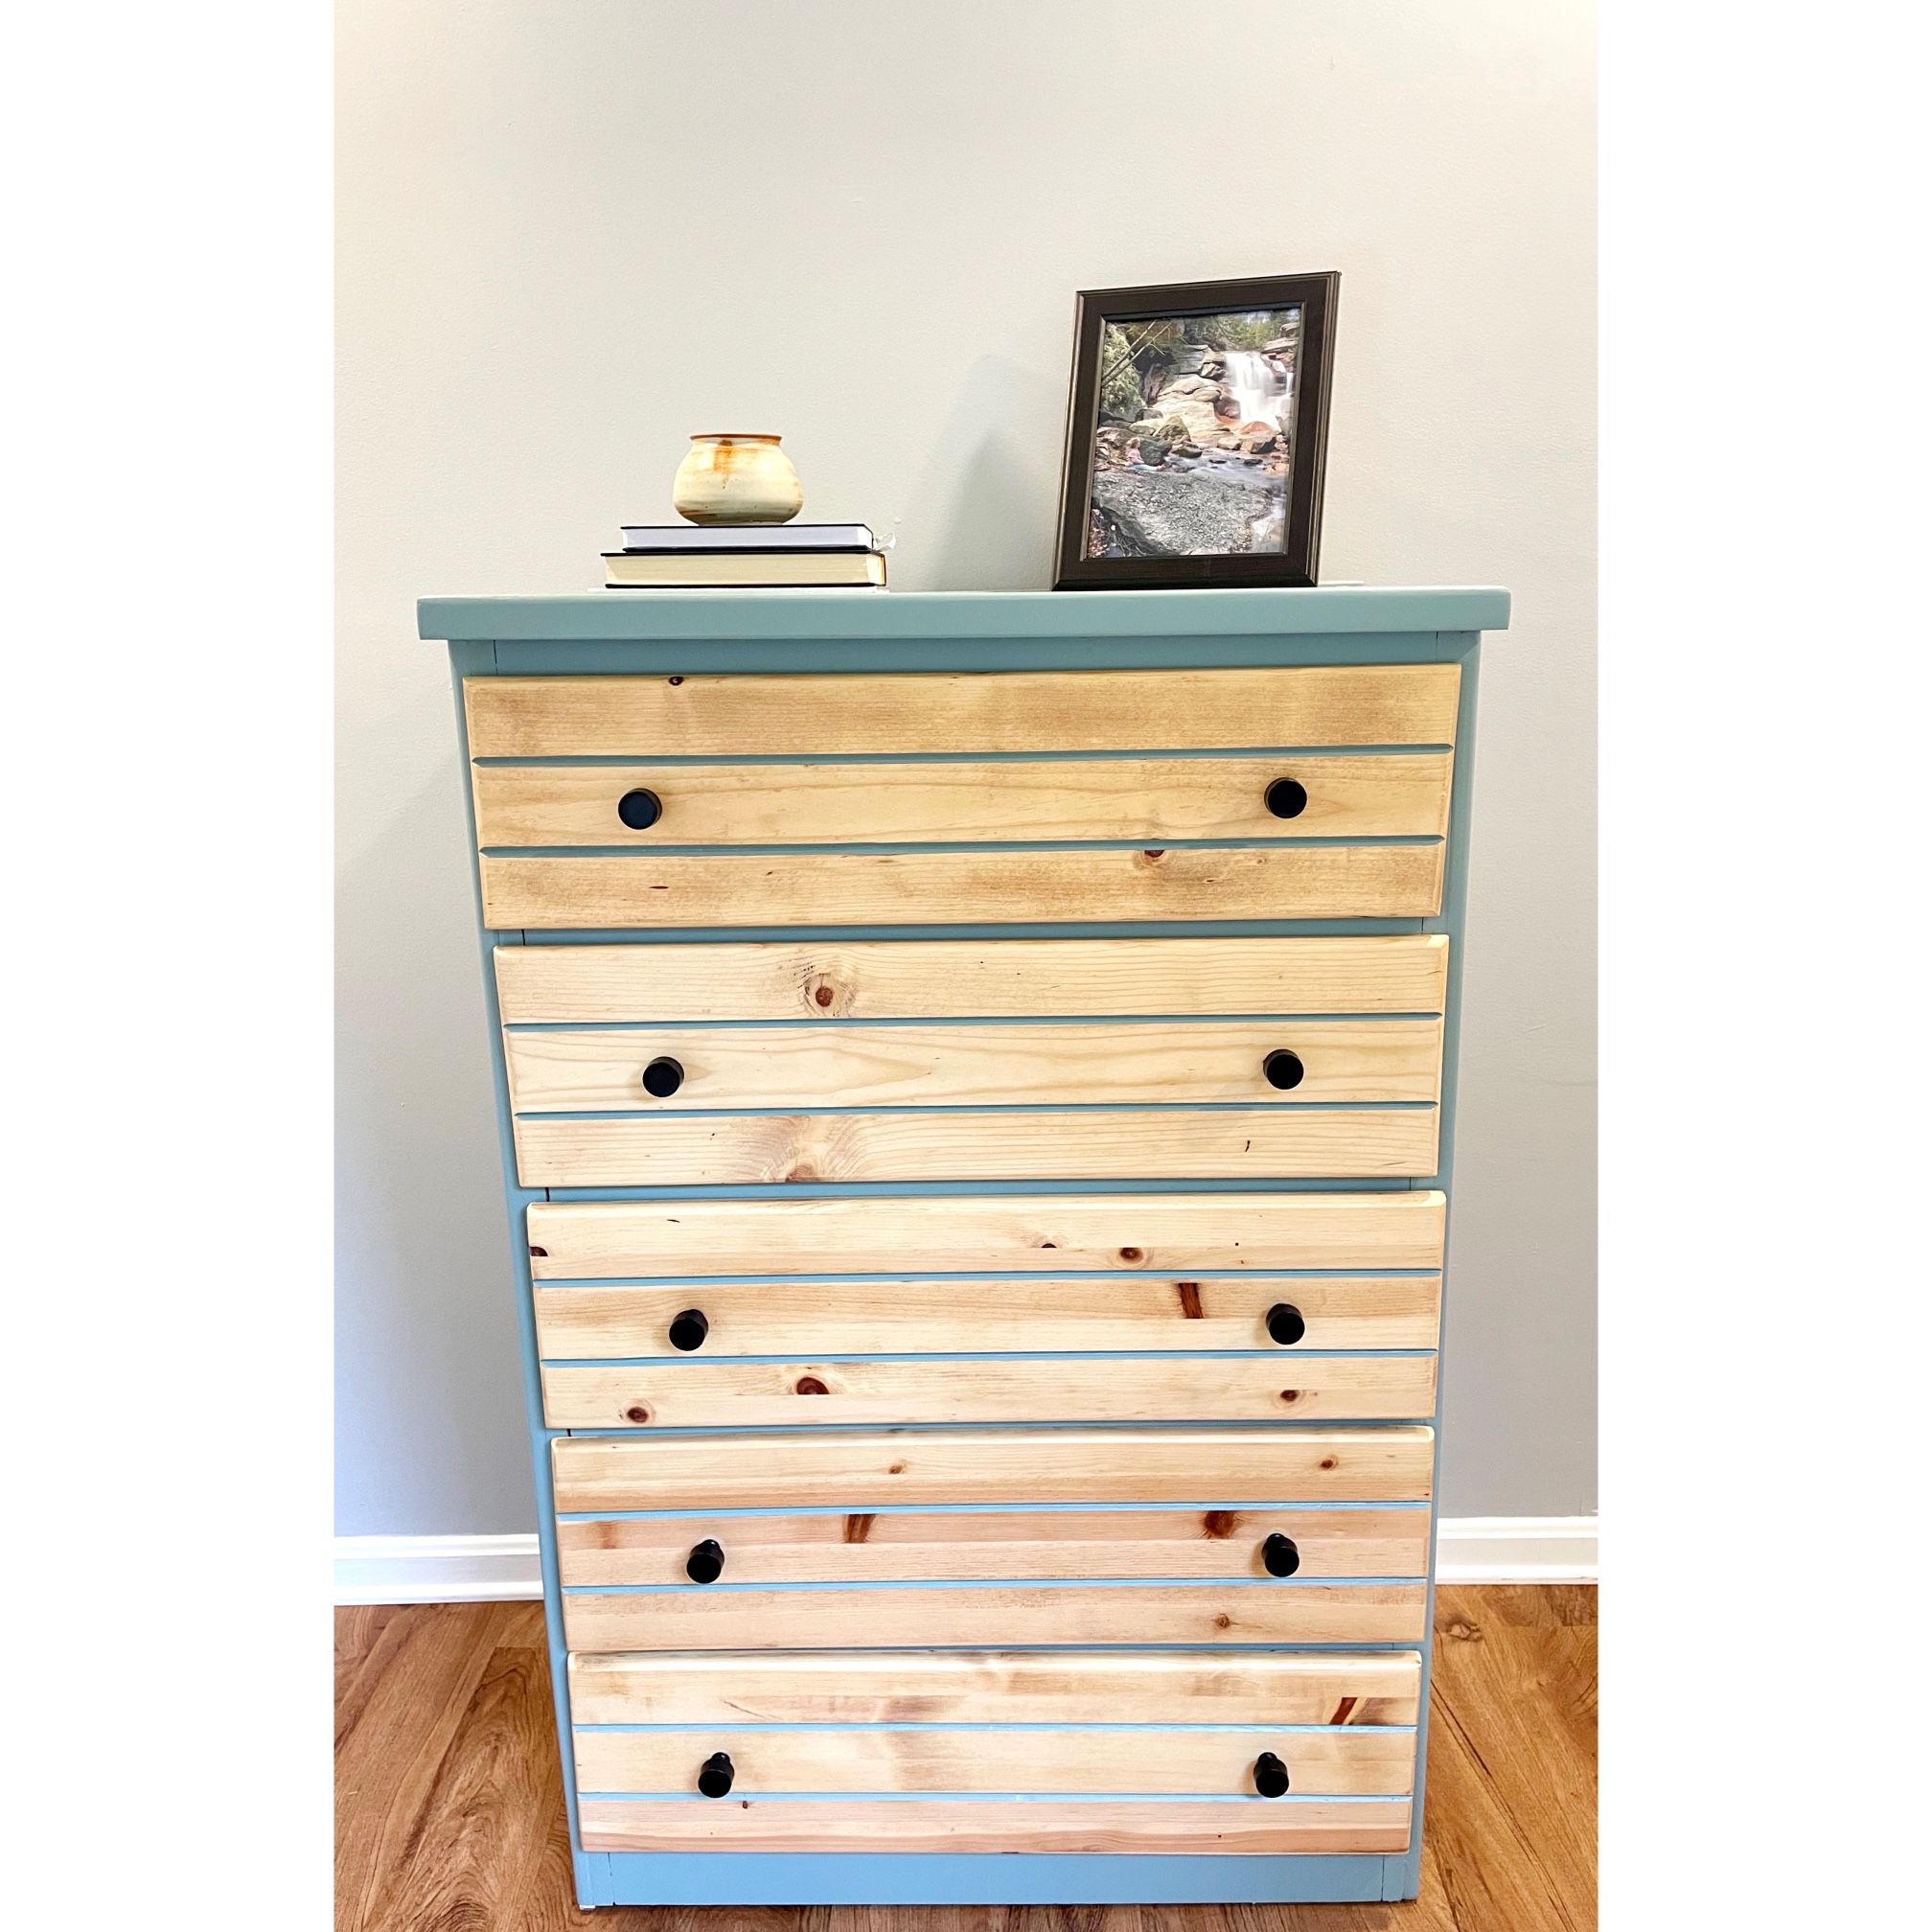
{"points": [[427, 1378], [980, 515]]}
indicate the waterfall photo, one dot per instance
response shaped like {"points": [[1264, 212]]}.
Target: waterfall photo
{"points": [[1196, 424], [1196, 438]]}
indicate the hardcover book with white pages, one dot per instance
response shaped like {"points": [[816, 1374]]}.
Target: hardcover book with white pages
{"points": [[686, 537]]}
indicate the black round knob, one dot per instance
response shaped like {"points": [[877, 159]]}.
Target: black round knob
{"points": [[662, 1079], [1286, 1324], [1271, 1774], [705, 1563], [714, 1776], [1285, 1070], [640, 809], [688, 1330], [1279, 1556], [1287, 798]]}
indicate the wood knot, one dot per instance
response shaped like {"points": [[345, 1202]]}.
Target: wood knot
{"points": [[1291, 1395], [1222, 1621], [539, 1253], [1327, 1462], [896, 1469], [1219, 1523], [1190, 1292], [810, 1385], [823, 996], [1154, 854], [859, 1527], [1132, 1255], [637, 1413], [1460, 1632], [674, 681], [801, 1170]]}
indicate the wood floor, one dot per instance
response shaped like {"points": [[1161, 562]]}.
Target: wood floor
{"points": [[451, 1813]]}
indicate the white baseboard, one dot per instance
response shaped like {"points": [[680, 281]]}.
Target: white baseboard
{"points": [[504, 1569], [437, 1569], [1516, 1549]]}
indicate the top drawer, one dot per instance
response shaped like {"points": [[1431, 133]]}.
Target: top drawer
{"points": [[973, 798]]}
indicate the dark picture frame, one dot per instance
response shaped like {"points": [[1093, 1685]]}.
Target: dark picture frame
{"points": [[1315, 298]]}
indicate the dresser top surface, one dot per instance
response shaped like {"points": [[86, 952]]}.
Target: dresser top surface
{"points": [[862, 614]]}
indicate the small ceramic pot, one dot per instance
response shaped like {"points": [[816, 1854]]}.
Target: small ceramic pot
{"points": [[736, 479]]}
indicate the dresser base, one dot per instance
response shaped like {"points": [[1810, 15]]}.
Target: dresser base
{"points": [[935, 1878]]}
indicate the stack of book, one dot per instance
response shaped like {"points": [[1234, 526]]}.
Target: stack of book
{"points": [[746, 556]]}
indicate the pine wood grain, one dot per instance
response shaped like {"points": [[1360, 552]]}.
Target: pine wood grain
{"points": [[1152, 799], [885, 1317], [874, 1469], [907, 1546], [1508, 1843], [1021, 1687], [739, 716], [1192, 1762], [1039, 1824], [819, 1392], [587, 1240], [1277, 1143], [672, 891], [983, 1065], [970, 978], [1004, 1616]]}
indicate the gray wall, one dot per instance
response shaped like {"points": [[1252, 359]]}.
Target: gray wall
{"points": [[571, 234]]}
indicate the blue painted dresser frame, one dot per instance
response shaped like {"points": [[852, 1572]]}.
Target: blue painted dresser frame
{"points": [[831, 632]]}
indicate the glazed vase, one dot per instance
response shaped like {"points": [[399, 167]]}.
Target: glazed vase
{"points": [[736, 479]]}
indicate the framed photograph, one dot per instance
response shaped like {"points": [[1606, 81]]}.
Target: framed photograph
{"points": [[1196, 434]]}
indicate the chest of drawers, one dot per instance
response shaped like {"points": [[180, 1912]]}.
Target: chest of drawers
{"points": [[975, 1077]]}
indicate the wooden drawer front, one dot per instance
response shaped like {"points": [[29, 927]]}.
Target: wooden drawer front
{"points": [[1003, 885], [1007, 804], [979, 978], [937, 1687], [691, 1394], [1190, 1098], [884, 1469], [1387, 794], [986, 1235], [913, 1546], [974, 1064], [740, 717], [961, 1316], [1036, 1575], [863, 1478], [930, 1722], [1128, 1595], [1251, 1827]]}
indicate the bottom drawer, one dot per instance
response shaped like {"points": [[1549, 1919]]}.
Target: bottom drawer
{"points": [[1007, 1540], [858, 1751]]}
